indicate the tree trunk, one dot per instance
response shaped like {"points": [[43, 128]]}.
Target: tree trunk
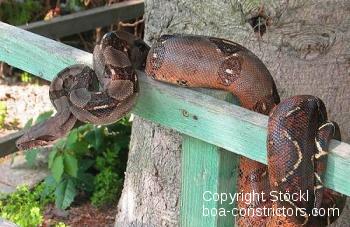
{"points": [[304, 44]]}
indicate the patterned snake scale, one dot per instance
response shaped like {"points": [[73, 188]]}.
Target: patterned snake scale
{"points": [[298, 129]]}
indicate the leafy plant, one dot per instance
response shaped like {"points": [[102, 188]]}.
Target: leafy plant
{"points": [[24, 207], [19, 12], [74, 5], [91, 159], [42, 117], [3, 113], [26, 77], [31, 154], [107, 187], [60, 224]]}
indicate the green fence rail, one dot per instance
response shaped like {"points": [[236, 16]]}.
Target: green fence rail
{"points": [[199, 117], [86, 20]]}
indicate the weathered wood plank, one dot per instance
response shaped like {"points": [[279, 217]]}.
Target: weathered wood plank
{"points": [[206, 170], [200, 116], [7, 143], [86, 20], [5, 223], [30, 52]]}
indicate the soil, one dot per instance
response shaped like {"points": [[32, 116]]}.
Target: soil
{"points": [[82, 215], [23, 102]]}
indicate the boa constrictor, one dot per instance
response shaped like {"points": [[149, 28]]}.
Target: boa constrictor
{"points": [[298, 129]]}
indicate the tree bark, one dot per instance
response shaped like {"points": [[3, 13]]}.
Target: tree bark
{"points": [[152, 183], [304, 44]]}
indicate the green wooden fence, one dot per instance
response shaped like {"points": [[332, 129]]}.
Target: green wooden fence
{"points": [[72, 24], [208, 124], [86, 20]]}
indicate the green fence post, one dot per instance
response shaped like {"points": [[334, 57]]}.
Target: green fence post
{"points": [[207, 169]]}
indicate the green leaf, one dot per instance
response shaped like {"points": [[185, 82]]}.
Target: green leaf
{"points": [[57, 168], [116, 147], [65, 194], [90, 137], [3, 113], [29, 123], [79, 148], [49, 188], [3, 107], [50, 182], [43, 116], [99, 137], [85, 181], [84, 128], [75, 5], [60, 144], [72, 138], [100, 163], [52, 156], [85, 164], [107, 186], [70, 165], [31, 155]]}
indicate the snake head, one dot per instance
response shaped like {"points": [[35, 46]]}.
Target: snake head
{"points": [[25, 143], [46, 132], [115, 40], [135, 48], [36, 136]]}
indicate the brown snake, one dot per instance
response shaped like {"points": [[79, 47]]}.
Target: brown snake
{"points": [[298, 129]]}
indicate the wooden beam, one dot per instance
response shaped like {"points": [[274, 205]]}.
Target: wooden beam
{"points": [[86, 20], [200, 116], [206, 169], [5, 223], [7, 143]]}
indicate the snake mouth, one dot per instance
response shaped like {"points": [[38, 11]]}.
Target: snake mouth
{"points": [[33, 143]]}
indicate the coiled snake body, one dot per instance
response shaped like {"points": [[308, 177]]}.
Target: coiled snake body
{"points": [[298, 130]]}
